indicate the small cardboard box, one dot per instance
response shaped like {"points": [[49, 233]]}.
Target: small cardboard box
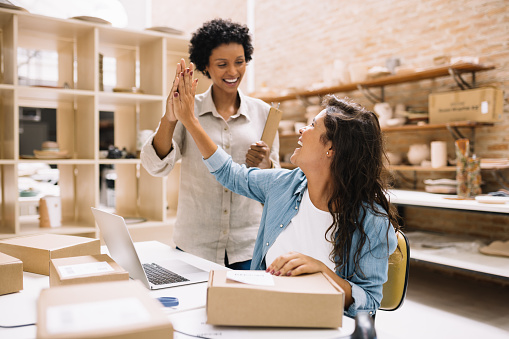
{"points": [[480, 104], [312, 300], [119, 309], [85, 269], [11, 274], [36, 251]]}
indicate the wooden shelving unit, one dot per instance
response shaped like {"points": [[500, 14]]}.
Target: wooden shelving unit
{"points": [[143, 59], [430, 73]]}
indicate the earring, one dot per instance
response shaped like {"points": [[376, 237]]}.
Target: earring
{"points": [[327, 152]]}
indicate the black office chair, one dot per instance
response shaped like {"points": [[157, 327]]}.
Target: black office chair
{"points": [[364, 327]]}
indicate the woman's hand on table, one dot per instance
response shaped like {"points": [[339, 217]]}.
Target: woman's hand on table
{"points": [[294, 263]]}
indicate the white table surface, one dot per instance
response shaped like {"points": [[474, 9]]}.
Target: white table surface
{"points": [[188, 317]]}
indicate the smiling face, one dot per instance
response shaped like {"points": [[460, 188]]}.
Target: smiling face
{"points": [[313, 152], [227, 66]]}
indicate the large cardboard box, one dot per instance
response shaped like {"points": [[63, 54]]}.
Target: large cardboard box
{"points": [[85, 269], [120, 309], [312, 300], [480, 104], [11, 274], [37, 250]]}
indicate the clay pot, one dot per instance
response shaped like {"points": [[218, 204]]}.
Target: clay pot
{"points": [[417, 153]]}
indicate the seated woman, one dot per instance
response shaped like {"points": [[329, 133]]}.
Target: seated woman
{"points": [[330, 214]]}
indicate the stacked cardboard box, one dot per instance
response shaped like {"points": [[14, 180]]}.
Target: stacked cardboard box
{"points": [[36, 251]]}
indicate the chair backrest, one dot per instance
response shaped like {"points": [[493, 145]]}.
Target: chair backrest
{"points": [[394, 289]]}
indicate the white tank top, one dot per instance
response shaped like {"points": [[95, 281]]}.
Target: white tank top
{"points": [[305, 234]]}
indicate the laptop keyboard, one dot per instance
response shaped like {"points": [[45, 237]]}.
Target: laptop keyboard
{"points": [[158, 275]]}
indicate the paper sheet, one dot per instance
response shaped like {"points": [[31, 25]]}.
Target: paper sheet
{"points": [[259, 278], [68, 271]]}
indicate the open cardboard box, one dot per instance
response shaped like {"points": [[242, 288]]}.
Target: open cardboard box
{"points": [[120, 309], [85, 269], [36, 251], [312, 300], [11, 274]]}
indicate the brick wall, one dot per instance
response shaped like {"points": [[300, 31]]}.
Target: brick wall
{"points": [[298, 41]]}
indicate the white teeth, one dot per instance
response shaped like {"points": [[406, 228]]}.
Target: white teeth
{"points": [[230, 80], [299, 142]]}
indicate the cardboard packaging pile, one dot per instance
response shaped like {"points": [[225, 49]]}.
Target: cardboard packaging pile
{"points": [[120, 309], [11, 274], [36, 251], [312, 300], [85, 269], [480, 104]]}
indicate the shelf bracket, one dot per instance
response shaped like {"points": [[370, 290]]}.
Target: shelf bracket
{"points": [[370, 95], [462, 83]]}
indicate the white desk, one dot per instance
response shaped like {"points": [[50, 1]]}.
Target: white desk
{"points": [[189, 317]]}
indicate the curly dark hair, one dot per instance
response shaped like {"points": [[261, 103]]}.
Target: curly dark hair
{"points": [[213, 34], [359, 175]]}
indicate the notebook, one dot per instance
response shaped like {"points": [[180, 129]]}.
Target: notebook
{"points": [[163, 273]]}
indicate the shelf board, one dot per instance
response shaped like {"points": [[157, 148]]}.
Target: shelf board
{"points": [[7, 87], [410, 128], [29, 225], [51, 94], [128, 98], [456, 256], [422, 169], [455, 124], [424, 199], [119, 161], [60, 161], [429, 73]]}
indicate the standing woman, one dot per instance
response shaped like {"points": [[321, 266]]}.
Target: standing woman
{"points": [[212, 222], [329, 215]]}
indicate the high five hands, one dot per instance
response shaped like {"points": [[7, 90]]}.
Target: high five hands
{"points": [[181, 99]]}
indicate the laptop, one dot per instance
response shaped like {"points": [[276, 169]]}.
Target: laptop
{"points": [[162, 273]]}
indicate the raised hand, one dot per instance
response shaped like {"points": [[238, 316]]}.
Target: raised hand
{"points": [[181, 66], [183, 97]]}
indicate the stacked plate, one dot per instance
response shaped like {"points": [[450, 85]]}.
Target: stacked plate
{"points": [[444, 186], [50, 150]]}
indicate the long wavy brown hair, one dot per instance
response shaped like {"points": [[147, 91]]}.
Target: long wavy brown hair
{"points": [[358, 182]]}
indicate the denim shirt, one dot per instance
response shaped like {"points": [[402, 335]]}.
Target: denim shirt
{"points": [[281, 191]]}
